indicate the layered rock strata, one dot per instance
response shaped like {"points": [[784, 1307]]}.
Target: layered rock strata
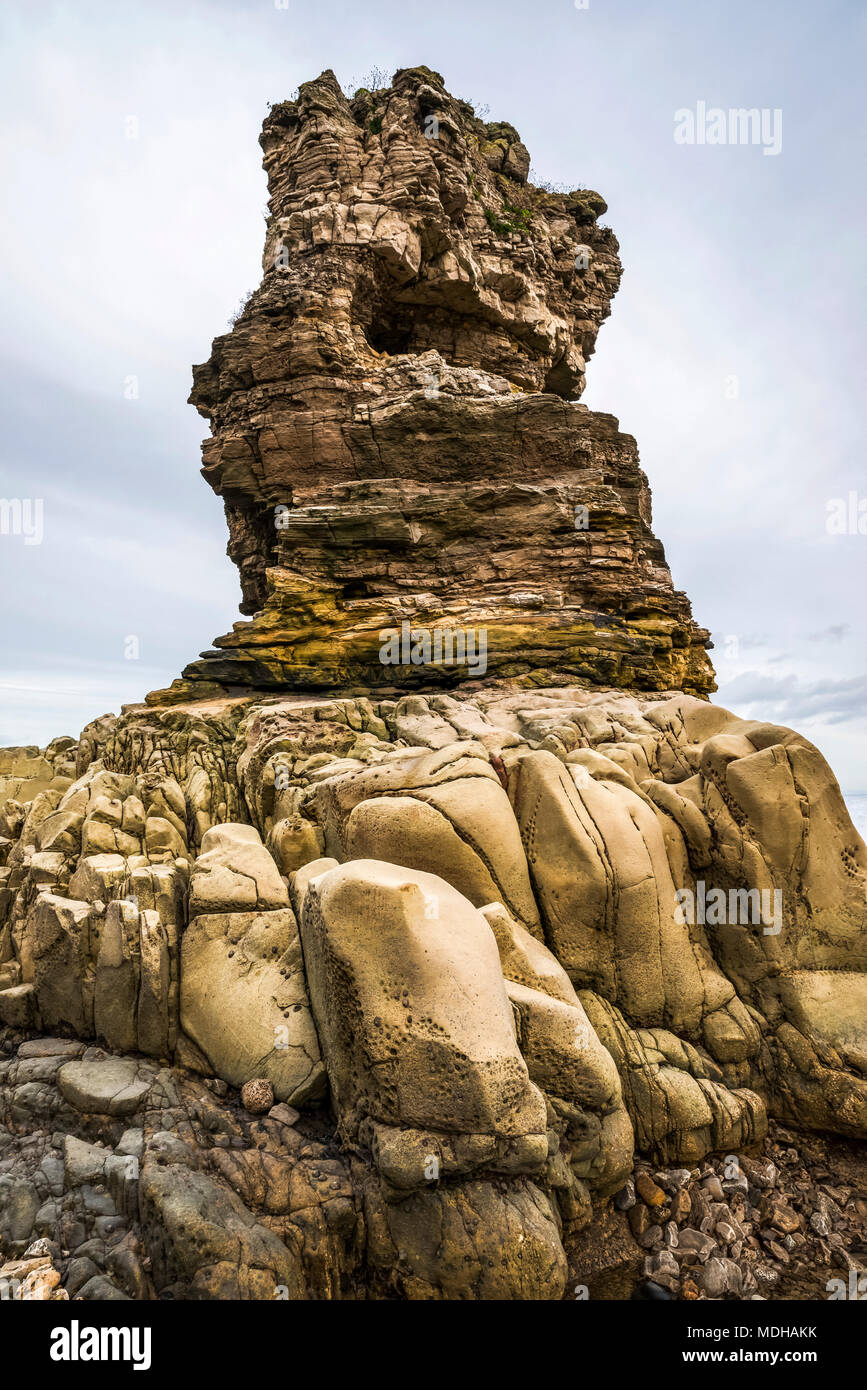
{"points": [[396, 434], [369, 992]]}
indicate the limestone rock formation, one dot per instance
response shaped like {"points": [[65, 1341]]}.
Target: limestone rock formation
{"points": [[372, 981]]}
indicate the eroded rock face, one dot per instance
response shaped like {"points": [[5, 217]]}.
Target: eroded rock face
{"points": [[243, 997], [392, 988], [501, 938], [396, 433]]}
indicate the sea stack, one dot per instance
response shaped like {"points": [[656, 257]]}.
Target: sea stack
{"points": [[434, 935], [396, 430]]}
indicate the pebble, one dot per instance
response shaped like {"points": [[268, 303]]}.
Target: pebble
{"points": [[681, 1206], [625, 1198], [713, 1188], [738, 1184], [648, 1190], [651, 1239], [257, 1096], [651, 1290], [639, 1220], [696, 1244]]}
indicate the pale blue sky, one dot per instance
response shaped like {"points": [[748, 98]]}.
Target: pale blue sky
{"points": [[124, 257]]}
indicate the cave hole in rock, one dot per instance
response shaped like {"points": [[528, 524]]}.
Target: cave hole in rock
{"points": [[390, 335]]}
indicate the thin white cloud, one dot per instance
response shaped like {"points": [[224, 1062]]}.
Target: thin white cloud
{"points": [[789, 700]]}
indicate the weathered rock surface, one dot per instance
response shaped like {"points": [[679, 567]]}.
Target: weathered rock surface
{"points": [[460, 925], [385, 990], [396, 433]]}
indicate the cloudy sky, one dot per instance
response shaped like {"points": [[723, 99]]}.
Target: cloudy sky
{"points": [[735, 353]]}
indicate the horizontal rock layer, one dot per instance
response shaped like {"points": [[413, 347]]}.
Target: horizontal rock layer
{"points": [[395, 433]]}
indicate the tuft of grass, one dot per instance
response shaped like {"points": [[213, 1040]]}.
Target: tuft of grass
{"points": [[522, 217], [496, 223], [519, 219]]}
